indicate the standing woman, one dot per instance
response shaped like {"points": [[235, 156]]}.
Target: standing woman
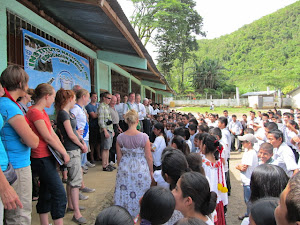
{"points": [[17, 138], [52, 196], [135, 162], [66, 123]]}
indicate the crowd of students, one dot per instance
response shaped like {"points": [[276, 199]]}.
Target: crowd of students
{"points": [[184, 158]]}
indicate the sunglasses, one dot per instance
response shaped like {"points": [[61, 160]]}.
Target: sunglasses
{"points": [[107, 97]]}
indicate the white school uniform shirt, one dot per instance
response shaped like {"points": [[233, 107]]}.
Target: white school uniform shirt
{"points": [[285, 158], [249, 158], [226, 139], [259, 133], [236, 127], [192, 138], [159, 145], [170, 136], [214, 124], [290, 135], [189, 143], [160, 180]]}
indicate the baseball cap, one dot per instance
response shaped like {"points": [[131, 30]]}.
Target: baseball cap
{"points": [[248, 137]]}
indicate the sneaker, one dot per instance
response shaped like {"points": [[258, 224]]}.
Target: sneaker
{"points": [[112, 167], [89, 164], [85, 171], [84, 167], [80, 220], [83, 197], [87, 190], [107, 169]]}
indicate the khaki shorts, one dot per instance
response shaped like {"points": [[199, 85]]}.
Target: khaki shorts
{"points": [[23, 187], [107, 142], [74, 169]]}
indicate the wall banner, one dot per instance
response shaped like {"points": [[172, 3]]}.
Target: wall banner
{"points": [[46, 62]]}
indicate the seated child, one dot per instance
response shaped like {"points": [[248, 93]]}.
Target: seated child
{"points": [[265, 154]]}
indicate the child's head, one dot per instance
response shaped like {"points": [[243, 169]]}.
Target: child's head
{"points": [[265, 152], [158, 129], [196, 140], [216, 131], [178, 142], [173, 165], [192, 129], [203, 128], [157, 205], [195, 162], [211, 146], [222, 122], [267, 180], [192, 194], [262, 211], [248, 141], [114, 215]]}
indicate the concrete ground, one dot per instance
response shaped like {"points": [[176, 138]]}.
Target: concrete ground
{"points": [[104, 183]]}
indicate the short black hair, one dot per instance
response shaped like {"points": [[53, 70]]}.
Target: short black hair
{"points": [[277, 134], [223, 120], [157, 205], [292, 199], [114, 215], [193, 127], [194, 121], [204, 128]]}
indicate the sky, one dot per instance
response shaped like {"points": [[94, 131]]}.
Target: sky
{"points": [[221, 17]]}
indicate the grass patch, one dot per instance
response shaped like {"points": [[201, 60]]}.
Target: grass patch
{"points": [[218, 110]]}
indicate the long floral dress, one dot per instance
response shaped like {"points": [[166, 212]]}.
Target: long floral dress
{"points": [[133, 176]]}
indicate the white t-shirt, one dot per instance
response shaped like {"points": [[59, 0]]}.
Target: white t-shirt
{"points": [[81, 120], [189, 143], [160, 180], [249, 158], [285, 158], [214, 124], [159, 145], [208, 221]]}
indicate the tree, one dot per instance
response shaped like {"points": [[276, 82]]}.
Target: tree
{"points": [[208, 74], [175, 23]]}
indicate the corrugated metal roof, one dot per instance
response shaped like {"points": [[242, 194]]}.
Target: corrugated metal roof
{"points": [[258, 93], [88, 19]]}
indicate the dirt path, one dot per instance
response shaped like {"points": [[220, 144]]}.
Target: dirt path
{"points": [[104, 183]]}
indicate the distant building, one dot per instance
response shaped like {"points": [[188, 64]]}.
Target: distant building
{"points": [[295, 96]]}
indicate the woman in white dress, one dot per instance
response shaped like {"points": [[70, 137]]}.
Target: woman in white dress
{"points": [[135, 162]]}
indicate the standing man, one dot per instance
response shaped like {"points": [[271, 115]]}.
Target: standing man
{"points": [[141, 111], [147, 119], [130, 104], [120, 109], [115, 120], [236, 129], [106, 130], [225, 113], [94, 133]]}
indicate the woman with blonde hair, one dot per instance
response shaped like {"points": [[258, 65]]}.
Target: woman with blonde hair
{"points": [[52, 196], [17, 138], [66, 124], [135, 162]]}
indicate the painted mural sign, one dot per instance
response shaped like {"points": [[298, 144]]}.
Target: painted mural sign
{"points": [[46, 62]]}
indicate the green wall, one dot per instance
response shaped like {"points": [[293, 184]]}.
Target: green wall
{"points": [[102, 68]]}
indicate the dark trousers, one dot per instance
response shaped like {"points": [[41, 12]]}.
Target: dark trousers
{"points": [[233, 138], [112, 151], [227, 178], [123, 125], [147, 126], [52, 196]]}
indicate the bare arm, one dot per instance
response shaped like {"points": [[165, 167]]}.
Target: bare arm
{"points": [[148, 157], [9, 197], [93, 115], [22, 128], [50, 138], [119, 153], [72, 136]]}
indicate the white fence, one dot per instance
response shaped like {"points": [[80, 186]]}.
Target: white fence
{"points": [[253, 101]]}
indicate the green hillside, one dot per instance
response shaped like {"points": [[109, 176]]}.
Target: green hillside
{"points": [[263, 53]]}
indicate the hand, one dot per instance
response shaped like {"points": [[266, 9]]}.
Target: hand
{"points": [[106, 134], [80, 131], [113, 134], [10, 199], [84, 148], [66, 158], [120, 130]]}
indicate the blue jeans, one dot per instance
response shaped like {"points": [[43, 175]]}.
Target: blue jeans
{"points": [[84, 155], [247, 193], [52, 195]]}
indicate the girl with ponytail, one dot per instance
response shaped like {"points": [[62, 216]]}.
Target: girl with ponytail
{"points": [[193, 197], [213, 167]]}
